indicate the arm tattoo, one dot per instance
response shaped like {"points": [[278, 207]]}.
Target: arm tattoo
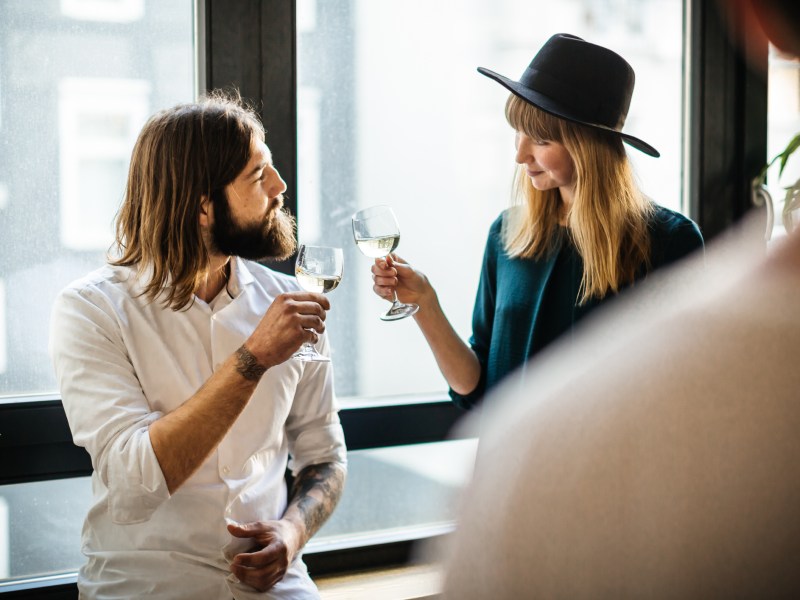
{"points": [[328, 480], [247, 364]]}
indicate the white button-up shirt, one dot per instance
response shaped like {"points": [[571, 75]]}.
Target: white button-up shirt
{"points": [[123, 362]]}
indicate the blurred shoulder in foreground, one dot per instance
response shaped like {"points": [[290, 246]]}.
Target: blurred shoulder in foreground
{"points": [[658, 458]]}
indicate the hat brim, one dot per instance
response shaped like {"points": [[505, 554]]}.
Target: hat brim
{"points": [[549, 105]]}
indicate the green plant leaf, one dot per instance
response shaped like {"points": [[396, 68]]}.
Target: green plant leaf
{"points": [[784, 156]]}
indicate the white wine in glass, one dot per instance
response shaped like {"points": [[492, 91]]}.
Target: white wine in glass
{"points": [[317, 269], [377, 235]]}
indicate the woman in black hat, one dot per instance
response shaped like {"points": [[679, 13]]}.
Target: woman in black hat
{"points": [[580, 230]]}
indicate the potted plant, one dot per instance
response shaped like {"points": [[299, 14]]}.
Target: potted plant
{"points": [[791, 202]]}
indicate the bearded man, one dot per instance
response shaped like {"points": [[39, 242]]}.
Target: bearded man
{"points": [[175, 373]]}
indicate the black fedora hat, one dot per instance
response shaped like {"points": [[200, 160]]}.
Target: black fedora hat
{"points": [[580, 82]]}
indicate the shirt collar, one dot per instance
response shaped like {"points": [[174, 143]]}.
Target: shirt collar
{"points": [[240, 276]]}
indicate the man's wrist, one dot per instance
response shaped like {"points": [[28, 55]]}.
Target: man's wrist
{"points": [[247, 365], [297, 529]]}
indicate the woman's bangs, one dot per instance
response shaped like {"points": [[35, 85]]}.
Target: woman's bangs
{"points": [[533, 122]]}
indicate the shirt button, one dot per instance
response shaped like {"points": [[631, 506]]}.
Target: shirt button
{"points": [[225, 470]]}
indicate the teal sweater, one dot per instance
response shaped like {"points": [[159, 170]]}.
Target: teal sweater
{"points": [[524, 304]]}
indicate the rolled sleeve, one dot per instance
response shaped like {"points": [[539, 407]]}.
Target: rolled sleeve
{"points": [[313, 428], [107, 411]]}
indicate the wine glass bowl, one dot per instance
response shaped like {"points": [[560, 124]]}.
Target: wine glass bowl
{"points": [[317, 269], [377, 234]]}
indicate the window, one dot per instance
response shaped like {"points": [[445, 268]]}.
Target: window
{"points": [[783, 124], [75, 90], [119, 11], [77, 81], [392, 111], [3, 348]]}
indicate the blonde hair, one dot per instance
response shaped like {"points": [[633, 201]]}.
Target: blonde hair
{"points": [[182, 154], [608, 218]]}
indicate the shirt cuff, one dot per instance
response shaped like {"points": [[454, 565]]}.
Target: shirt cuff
{"points": [[136, 485], [324, 444]]}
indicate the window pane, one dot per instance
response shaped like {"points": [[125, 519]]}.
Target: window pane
{"points": [[403, 491], [392, 111], [391, 493], [78, 78], [783, 124], [40, 527]]}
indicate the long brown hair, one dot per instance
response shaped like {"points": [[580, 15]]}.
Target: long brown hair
{"points": [[608, 218], [182, 154]]}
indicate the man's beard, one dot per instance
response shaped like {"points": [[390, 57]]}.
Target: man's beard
{"points": [[272, 238]]}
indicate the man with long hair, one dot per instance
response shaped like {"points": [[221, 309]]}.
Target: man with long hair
{"points": [[175, 373]]}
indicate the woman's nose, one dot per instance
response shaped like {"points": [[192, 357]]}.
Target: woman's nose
{"points": [[523, 149]]}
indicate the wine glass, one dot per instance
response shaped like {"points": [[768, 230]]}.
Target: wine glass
{"points": [[317, 269], [377, 234]]}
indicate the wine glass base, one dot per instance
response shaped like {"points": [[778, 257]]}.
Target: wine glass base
{"points": [[399, 311]]}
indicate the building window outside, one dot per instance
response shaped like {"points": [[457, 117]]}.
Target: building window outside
{"points": [[404, 119], [109, 11], [99, 120]]}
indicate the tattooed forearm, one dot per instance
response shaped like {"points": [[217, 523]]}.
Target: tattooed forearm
{"points": [[315, 493], [247, 364]]}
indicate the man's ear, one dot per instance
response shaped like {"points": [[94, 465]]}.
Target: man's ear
{"points": [[205, 212]]}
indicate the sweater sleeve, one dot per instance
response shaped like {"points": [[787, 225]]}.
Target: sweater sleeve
{"points": [[674, 237], [483, 315]]}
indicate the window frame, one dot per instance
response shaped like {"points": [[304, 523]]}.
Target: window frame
{"points": [[251, 44]]}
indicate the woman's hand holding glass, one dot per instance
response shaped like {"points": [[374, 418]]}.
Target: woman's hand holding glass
{"points": [[394, 278], [377, 234]]}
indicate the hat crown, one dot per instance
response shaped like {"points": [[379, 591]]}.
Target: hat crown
{"points": [[578, 81], [593, 84]]}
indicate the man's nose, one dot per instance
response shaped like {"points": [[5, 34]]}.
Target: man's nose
{"points": [[276, 185]]}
